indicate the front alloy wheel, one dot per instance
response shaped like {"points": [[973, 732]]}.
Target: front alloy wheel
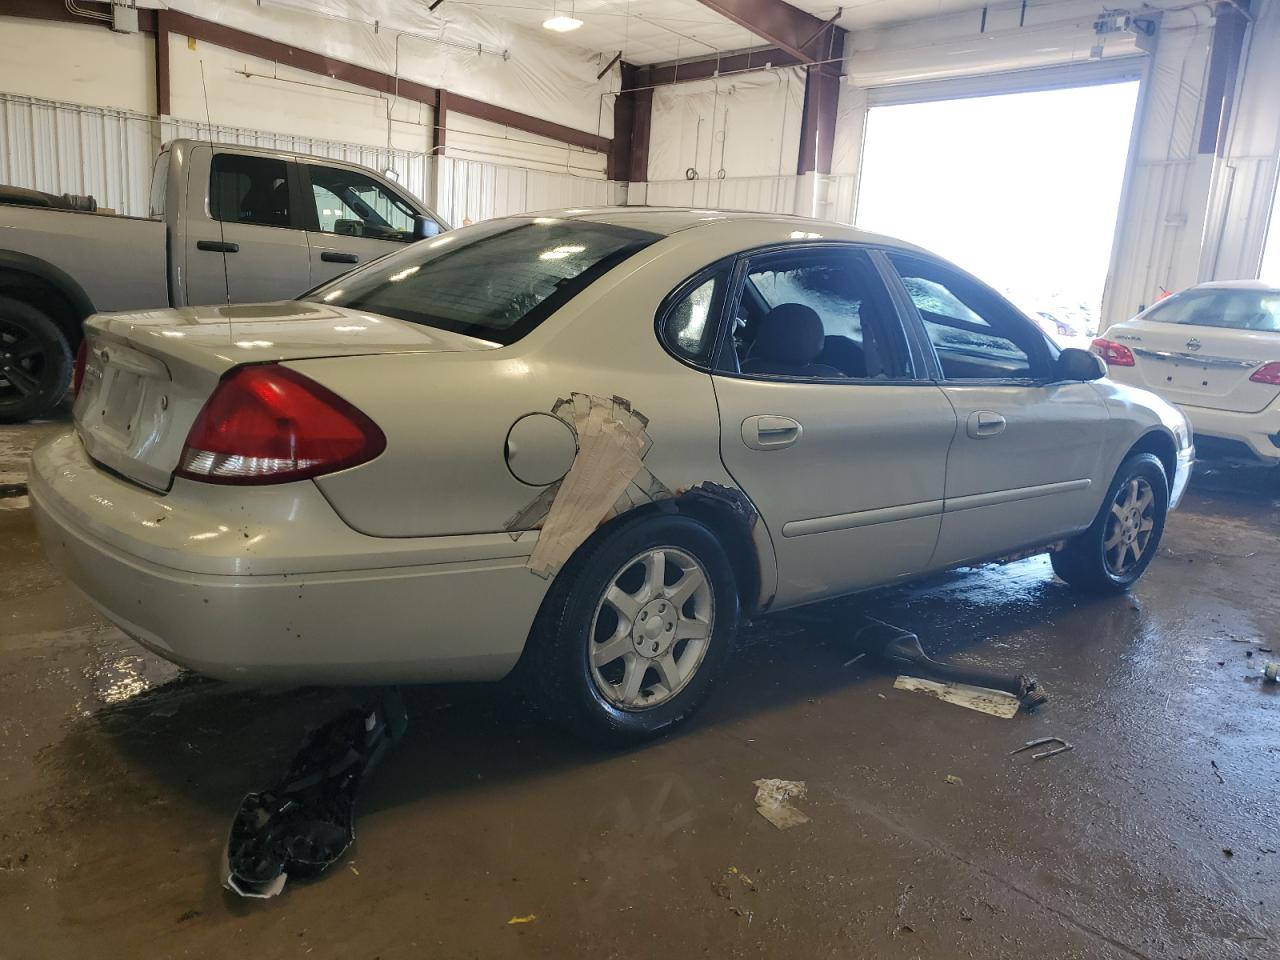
{"points": [[1122, 540], [651, 629], [1130, 525]]}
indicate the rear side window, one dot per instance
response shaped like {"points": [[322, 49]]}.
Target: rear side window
{"points": [[245, 189], [689, 325], [816, 313], [1230, 309], [496, 282]]}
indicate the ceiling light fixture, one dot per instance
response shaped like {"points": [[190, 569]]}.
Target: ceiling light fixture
{"points": [[562, 23]]}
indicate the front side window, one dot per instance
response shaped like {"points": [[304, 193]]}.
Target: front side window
{"points": [[353, 205], [496, 281], [816, 314], [246, 189], [975, 335], [1230, 309]]}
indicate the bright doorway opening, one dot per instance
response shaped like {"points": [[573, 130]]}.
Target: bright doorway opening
{"points": [[1271, 252], [1020, 189]]}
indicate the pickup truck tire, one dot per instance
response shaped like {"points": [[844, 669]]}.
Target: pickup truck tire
{"points": [[35, 362]]}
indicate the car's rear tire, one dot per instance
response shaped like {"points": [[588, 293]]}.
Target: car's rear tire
{"points": [[35, 362], [633, 631], [1119, 545]]}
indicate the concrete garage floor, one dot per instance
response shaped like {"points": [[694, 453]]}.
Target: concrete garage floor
{"points": [[119, 775]]}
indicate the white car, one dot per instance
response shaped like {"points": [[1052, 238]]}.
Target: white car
{"points": [[1214, 350], [586, 442]]}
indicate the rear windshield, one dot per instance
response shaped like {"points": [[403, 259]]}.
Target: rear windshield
{"points": [[493, 281], [1234, 309]]}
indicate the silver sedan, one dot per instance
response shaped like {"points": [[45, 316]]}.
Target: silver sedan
{"points": [[581, 445]]}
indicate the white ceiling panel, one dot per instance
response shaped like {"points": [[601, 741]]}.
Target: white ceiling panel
{"points": [[654, 31]]}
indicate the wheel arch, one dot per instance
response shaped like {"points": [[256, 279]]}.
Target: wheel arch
{"points": [[48, 289], [1161, 444], [725, 511]]}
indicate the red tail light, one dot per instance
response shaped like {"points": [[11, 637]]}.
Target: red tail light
{"points": [[1116, 354], [77, 372], [1268, 373], [268, 424]]}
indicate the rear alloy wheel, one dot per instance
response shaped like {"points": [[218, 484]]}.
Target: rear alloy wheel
{"points": [[1122, 540], [35, 363], [633, 630], [651, 629]]}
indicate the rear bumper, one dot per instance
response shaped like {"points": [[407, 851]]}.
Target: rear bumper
{"points": [[268, 585], [1238, 435]]}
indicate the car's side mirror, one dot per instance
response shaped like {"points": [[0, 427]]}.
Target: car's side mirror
{"points": [[424, 227], [1076, 364]]}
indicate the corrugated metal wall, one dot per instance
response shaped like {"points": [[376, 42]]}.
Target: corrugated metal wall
{"points": [[472, 190], [827, 197], [67, 148]]}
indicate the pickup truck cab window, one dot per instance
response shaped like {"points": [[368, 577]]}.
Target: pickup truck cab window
{"points": [[351, 204], [249, 189]]}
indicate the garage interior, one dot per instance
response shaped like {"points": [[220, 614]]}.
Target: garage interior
{"points": [[1085, 160]]}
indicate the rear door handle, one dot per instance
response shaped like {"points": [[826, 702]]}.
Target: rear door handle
{"points": [[768, 432], [218, 246], [986, 423], [332, 256]]}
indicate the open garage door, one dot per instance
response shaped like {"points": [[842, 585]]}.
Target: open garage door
{"points": [[1271, 253], [1022, 189]]}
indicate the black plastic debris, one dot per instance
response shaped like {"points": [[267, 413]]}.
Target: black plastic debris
{"points": [[901, 650], [301, 826]]}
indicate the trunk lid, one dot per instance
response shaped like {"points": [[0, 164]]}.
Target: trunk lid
{"points": [[148, 374], [1199, 366]]}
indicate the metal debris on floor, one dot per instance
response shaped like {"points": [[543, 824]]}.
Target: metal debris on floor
{"points": [[997, 703], [1040, 742], [514, 921], [773, 802], [300, 827], [976, 689]]}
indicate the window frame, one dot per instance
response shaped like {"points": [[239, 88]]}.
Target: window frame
{"points": [[1044, 349], [311, 216], [291, 178]]}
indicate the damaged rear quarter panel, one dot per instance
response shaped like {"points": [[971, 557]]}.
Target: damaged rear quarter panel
{"points": [[447, 415]]}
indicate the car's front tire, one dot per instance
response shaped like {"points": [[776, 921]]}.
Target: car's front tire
{"points": [[634, 630], [1119, 545]]}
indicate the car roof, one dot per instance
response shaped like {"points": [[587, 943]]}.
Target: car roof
{"points": [[1260, 285], [671, 220]]}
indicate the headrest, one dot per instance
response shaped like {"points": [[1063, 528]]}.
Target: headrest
{"points": [[789, 333]]}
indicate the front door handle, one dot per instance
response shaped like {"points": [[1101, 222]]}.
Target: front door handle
{"points": [[332, 256], [768, 432], [986, 423], [218, 246]]}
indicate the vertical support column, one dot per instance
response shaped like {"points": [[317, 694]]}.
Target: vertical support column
{"points": [[821, 98], [163, 86], [439, 181], [632, 117]]}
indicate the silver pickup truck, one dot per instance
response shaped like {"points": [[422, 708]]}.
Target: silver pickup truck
{"points": [[227, 224]]}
